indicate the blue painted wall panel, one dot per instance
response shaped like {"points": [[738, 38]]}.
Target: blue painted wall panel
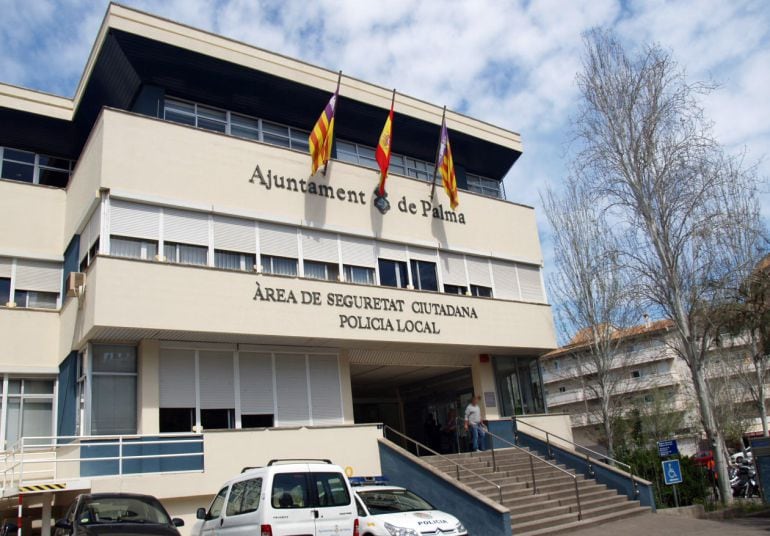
{"points": [[141, 447], [478, 517], [67, 403]]}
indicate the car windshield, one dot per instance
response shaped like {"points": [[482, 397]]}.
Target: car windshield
{"points": [[103, 510], [388, 501]]}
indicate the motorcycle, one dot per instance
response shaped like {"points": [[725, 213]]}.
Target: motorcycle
{"points": [[743, 480]]}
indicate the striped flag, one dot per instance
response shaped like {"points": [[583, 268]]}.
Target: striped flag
{"points": [[447, 167], [322, 135], [383, 148]]}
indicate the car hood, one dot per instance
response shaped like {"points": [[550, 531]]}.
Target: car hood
{"points": [[423, 521], [127, 529]]}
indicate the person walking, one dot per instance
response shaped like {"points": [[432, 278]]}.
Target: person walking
{"points": [[473, 420]]}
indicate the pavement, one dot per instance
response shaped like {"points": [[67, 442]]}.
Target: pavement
{"points": [[653, 524]]}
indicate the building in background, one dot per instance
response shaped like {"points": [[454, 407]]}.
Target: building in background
{"points": [[653, 389], [168, 265]]}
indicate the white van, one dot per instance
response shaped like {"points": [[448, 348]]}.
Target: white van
{"points": [[285, 498]]}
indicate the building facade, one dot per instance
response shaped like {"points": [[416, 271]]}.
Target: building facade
{"points": [[228, 296], [652, 388]]}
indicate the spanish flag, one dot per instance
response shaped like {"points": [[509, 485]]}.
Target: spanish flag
{"points": [[447, 167], [322, 135], [383, 148]]}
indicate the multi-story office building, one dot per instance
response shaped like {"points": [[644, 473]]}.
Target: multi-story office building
{"points": [[650, 379], [227, 295]]}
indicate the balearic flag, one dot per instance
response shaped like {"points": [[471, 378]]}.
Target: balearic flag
{"points": [[383, 148], [446, 166], [322, 135]]}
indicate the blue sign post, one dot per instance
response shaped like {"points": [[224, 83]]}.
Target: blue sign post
{"points": [[668, 448], [672, 475]]}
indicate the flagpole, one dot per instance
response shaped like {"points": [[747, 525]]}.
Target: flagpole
{"points": [[334, 115], [438, 148]]}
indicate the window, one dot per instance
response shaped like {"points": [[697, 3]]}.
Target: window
{"points": [[244, 497], [636, 373], [321, 270], [29, 410], [455, 289], [359, 274], [278, 265], [218, 419], [257, 421], [185, 253], [232, 260], [519, 385], [89, 256], [34, 168], [176, 420], [484, 186], [36, 299], [113, 393], [478, 290], [331, 489], [393, 273], [562, 389], [5, 290], [135, 248], [216, 505], [424, 275], [290, 490]]}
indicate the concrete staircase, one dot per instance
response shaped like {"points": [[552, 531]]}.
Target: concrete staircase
{"points": [[553, 509]]}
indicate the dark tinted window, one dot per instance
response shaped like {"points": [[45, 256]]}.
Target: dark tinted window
{"points": [[5, 290], [18, 172], [106, 510], [217, 419], [478, 290], [454, 289], [424, 275], [257, 421], [393, 273], [290, 491], [177, 419], [331, 489]]}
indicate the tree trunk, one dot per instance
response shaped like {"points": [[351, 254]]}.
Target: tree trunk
{"points": [[712, 433], [608, 431]]}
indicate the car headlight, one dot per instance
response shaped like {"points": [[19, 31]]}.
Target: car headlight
{"points": [[460, 528], [399, 531]]}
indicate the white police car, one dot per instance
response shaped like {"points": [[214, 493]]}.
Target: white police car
{"points": [[385, 510]]}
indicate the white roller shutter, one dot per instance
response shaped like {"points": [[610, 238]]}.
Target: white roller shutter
{"points": [[326, 398], [217, 386], [478, 271], [5, 266], [278, 240], [134, 220], [394, 252], [453, 269], [234, 234], [38, 275], [529, 278], [291, 385], [318, 246], [185, 226], [177, 378], [90, 231], [256, 378], [358, 251], [506, 284], [423, 254]]}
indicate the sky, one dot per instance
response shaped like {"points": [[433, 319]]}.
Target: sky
{"points": [[511, 63]]}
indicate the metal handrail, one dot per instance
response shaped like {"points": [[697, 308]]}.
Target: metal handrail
{"points": [[600, 456], [458, 466], [533, 457]]}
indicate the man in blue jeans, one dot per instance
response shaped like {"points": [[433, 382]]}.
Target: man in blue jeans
{"points": [[473, 420]]}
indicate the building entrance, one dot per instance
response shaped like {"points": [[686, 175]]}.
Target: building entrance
{"points": [[420, 395]]}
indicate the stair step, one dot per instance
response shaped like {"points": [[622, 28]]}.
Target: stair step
{"points": [[586, 523], [588, 514]]}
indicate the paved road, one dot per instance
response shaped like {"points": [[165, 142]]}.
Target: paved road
{"points": [[653, 524]]}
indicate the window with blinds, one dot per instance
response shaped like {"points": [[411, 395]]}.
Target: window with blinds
{"points": [[453, 269], [325, 390], [506, 282], [89, 238], [531, 283], [292, 390]]}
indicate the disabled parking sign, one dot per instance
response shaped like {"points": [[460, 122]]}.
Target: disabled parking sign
{"points": [[672, 472]]}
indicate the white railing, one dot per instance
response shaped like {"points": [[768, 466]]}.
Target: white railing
{"points": [[37, 460]]}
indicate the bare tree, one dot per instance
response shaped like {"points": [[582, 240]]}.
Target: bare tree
{"points": [[593, 296], [648, 155]]}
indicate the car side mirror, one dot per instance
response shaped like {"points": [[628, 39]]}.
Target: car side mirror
{"points": [[63, 524], [9, 528], [200, 513], [177, 522]]}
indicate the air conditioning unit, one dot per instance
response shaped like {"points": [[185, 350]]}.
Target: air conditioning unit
{"points": [[76, 281]]}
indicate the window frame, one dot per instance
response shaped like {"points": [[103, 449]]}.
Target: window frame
{"points": [[36, 166]]}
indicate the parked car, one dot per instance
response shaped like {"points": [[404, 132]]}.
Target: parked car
{"points": [[98, 514], [392, 510], [742, 455], [287, 497]]}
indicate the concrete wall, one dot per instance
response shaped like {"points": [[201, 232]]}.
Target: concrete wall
{"points": [[199, 299], [30, 340], [30, 217]]}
